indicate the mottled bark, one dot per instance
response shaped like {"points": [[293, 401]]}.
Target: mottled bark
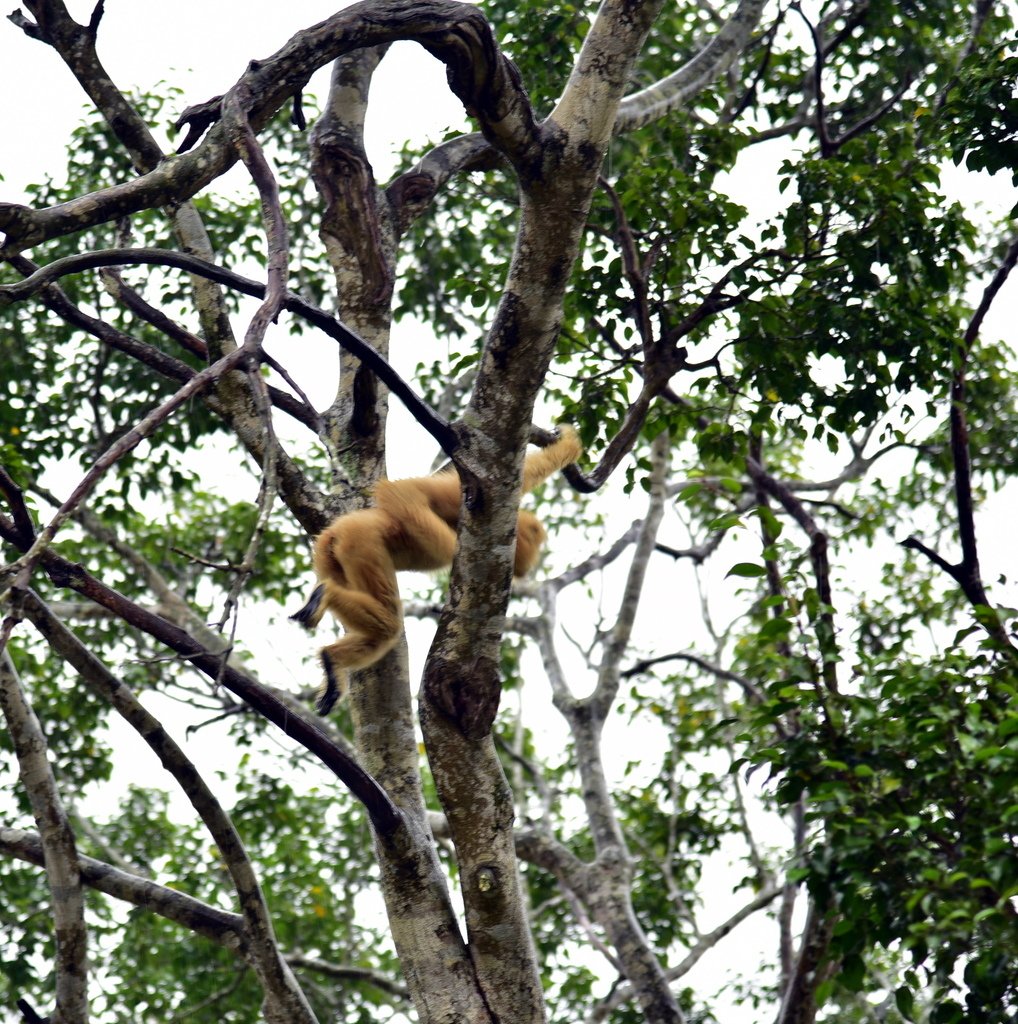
{"points": [[59, 852]]}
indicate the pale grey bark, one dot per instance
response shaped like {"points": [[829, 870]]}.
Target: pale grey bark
{"points": [[219, 926], [359, 238], [610, 886], [59, 853], [701, 70], [625, 992]]}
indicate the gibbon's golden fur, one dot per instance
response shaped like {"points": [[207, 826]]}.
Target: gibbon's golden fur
{"points": [[412, 525]]}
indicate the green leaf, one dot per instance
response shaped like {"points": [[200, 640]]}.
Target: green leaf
{"points": [[747, 569]]}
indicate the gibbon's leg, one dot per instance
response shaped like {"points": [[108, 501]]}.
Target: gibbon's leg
{"points": [[541, 464], [311, 614], [530, 536], [372, 629], [358, 582]]}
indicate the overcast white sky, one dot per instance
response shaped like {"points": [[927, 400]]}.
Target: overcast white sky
{"points": [[201, 46]]}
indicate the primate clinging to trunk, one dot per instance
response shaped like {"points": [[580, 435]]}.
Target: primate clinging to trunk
{"points": [[412, 525]]}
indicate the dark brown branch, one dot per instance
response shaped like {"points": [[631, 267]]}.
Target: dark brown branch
{"points": [[242, 137], [300, 408], [54, 298], [434, 424], [959, 426], [348, 972], [132, 300], [384, 814], [750, 688], [820, 562], [29, 1014], [15, 498], [967, 573]]}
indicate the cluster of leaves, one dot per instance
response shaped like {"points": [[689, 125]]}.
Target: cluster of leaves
{"points": [[911, 790]]}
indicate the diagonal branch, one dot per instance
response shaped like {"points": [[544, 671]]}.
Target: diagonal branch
{"points": [[59, 853], [219, 926], [700, 71], [325, 322], [54, 298], [384, 815], [264, 954], [625, 993]]}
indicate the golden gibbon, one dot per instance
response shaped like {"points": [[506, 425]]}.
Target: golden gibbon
{"points": [[411, 525]]}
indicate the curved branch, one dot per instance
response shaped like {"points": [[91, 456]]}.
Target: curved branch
{"points": [[434, 424], [670, 93], [128, 441], [456, 33], [410, 193], [967, 573], [596, 561], [385, 816], [278, 983]]}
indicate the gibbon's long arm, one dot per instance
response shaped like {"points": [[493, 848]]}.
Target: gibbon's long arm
{"points": [[412, 525]]}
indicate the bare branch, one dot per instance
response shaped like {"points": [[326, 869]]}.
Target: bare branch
{"points": [[347, 972], [59, 853], [335, 329], [596, 561], [697, 73], [618, 639], [752, 691], [131, 439], [222, 927], [410, 193]]}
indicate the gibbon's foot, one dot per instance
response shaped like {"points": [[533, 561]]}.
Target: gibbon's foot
{"points": [[332, 689], [309, 616]]}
